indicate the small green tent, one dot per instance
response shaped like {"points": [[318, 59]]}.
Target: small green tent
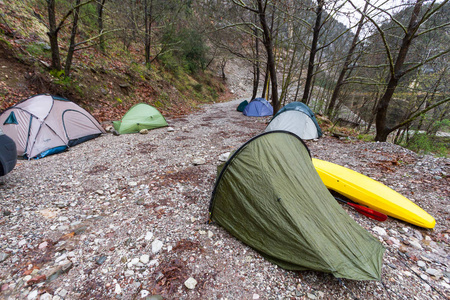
{"points": [[269, 195], [140, 116]]}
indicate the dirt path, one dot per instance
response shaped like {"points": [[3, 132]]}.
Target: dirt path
{"points": [[124, 217]]}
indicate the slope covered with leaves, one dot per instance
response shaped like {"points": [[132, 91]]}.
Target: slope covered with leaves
{"points": [[107, 84]]}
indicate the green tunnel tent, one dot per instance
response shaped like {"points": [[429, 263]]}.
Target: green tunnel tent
{"points": [[269, 195], [140, 116]]}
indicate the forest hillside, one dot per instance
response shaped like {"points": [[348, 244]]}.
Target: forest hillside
{"points": [[381, 70]]}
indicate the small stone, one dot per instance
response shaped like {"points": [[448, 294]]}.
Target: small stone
{"points": [[99, 192], [33, 295], [380, 231], [170, 129], [421, 264], [190, 283], [145, 258], [210, 234], [118, 289], [156, 246], [148, 236], [224, 156], [144, 293], [3, 256], [155, 297], [416, 245], [311, 296], [198, 161], [434, 272], [43, 245], [46, 296], [132, 183], [143, 131], [100, 260], [255, 296]]}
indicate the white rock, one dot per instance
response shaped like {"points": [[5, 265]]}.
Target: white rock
{"points": [[190, 283], [129, 273], [395, 241], [379, 231], [421, 264], [144, 293], [134, 261], [118, 289], [145, 258], [132, 183], [153, 262], [32, 295], [415, 244], [43, 245], [63, 293], [148, 236], [170, 129], [434, 272], [224, 156], [156, 246], [46, 296], [22, 242], [198, 161], [210, 234], [255, 296], [143, 131], [60, 258]]}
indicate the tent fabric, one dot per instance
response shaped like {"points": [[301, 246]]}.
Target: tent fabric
{"points": [[8, 154], [242, 106], [140, 116], [258, 107], [297, 118], [269, 196], [48, 124]]}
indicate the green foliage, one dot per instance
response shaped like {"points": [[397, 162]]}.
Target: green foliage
{"points": [[188, 49], [366, 137], [170, 63], [426, 144], [37, 50]]}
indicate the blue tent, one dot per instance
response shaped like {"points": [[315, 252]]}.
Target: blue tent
{"points": [[258, 107]]}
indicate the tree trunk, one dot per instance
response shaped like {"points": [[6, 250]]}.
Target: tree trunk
{"points": [[100, 5], [53, 35], [271, 66], [312, 53], [256, 70], [73, 34], [148, 10], [382, 108], [348, 59]]}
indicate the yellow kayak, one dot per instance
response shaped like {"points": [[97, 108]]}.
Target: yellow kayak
{"points": [[375, 195]]}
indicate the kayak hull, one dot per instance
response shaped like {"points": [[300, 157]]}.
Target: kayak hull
{"points": [[375, 195]]}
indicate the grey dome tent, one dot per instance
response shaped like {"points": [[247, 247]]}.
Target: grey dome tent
{"points": [[269, 195], [44, 125], [297, 118]]}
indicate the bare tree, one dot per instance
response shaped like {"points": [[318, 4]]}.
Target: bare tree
{"points": [[397, 67]]}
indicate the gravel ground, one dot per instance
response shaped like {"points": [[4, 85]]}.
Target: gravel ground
{"points": [[125, 217]]}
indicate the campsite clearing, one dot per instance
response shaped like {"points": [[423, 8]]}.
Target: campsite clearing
{"points": [[125, 216]]}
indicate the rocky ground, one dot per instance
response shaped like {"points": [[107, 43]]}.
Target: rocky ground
{"points": [[125, 217]]}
